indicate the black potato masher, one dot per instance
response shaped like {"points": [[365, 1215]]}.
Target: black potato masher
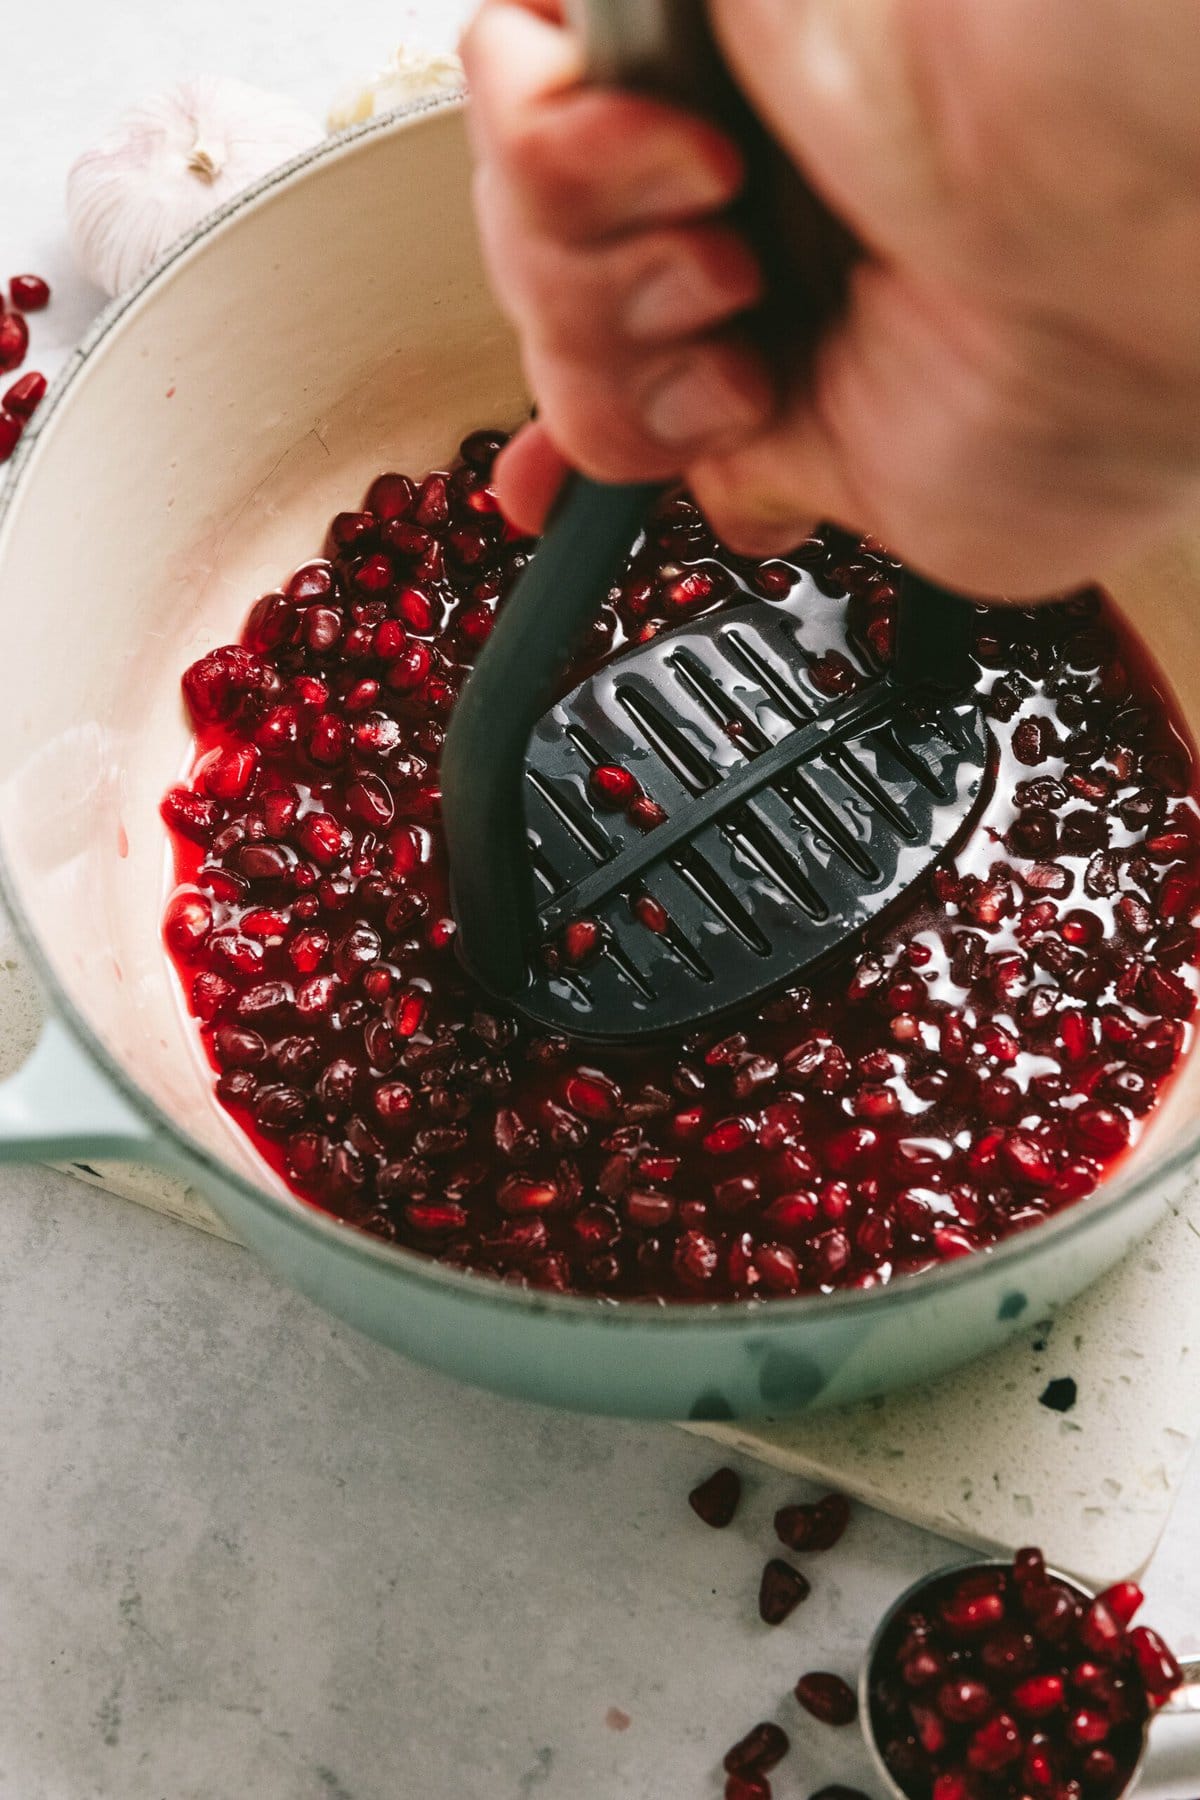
{"points": [[790, 822]]}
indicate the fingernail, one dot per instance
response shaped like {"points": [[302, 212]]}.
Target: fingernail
{"points": [[697, 403], [682, 297]]}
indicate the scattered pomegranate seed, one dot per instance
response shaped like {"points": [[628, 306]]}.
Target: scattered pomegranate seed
{"points": [[781, 1591], [761, 1750], [716, 1500], [813, 1528], [25, 395], [11, 428], [828, 1698], [29, 292], [747, 1787], [14, 341]]}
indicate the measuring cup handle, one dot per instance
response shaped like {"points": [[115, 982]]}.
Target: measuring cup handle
{"points": [[60, 1107], [1186, 1698]]}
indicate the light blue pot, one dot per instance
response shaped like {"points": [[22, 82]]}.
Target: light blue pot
{"points": [[332, 323]]}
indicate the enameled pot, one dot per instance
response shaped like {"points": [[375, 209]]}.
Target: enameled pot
{"points": [[332, 323]]}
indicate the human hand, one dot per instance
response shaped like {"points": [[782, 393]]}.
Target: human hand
{"points": [[1012, 398]]}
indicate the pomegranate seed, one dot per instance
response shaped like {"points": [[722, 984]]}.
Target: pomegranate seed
{"points": [[781, 1590], [747, 1787], [29, 292], [1087, 1727], [1159, 1668], [14, 341], [716, 1500], [190, 814], [648, 912], [646, 814], [390, 497], [762, 1749], [188, 922], [967, 1613], [696, 1257], [811, 1528], [827, 1698], [11, 428], [25, 395], [996, 1745], [612, 787], [582, 941], [1039, 1696], [965, 1702], [727, 1137], [216, 686], [1123, 1601]]}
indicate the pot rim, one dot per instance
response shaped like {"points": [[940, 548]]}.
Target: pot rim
{"points": [[844, 1305]]}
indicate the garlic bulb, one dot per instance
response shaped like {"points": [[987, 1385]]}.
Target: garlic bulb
{"points": [[410, 75], [169, 162]]}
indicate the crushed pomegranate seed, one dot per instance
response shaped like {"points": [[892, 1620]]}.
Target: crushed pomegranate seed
{"points": [[716, 1500], [29, 293], [980, 1065], [1013, 1679]]}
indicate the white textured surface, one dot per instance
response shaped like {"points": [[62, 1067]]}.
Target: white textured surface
{"points": [[242, 1552]]}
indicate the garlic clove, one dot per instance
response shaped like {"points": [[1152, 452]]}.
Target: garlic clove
{"points": [[168, 163], [409, 75]]}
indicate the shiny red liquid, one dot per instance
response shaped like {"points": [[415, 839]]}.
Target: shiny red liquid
{"points": [[976, 1068]]}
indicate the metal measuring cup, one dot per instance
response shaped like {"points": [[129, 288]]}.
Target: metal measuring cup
{"points": [[1185, 1700]]}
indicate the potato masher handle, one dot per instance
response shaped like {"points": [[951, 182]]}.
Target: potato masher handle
{"points": [[663, 47]]}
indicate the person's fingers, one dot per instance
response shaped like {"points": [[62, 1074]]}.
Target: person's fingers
{"points": [[585, 163], [651, 288], [645, 418], [529, 477]]}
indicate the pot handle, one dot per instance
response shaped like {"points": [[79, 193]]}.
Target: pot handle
{"points": [[60, 1106]]}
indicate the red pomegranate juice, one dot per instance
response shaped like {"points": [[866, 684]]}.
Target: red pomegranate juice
{"points": [[975, 1068]]}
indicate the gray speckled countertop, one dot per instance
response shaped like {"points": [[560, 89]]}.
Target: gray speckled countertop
{"points": [[245, 1553]]}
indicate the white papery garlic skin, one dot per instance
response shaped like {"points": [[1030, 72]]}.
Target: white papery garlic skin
{"points": [[410, 75], [169, 162]]}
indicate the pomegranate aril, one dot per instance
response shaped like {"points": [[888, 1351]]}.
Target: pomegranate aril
{"points": [[996, 1745], [828, 1698], [613, 787], [818, 1527], [1088, 1727], [187, 925], [1039, 1696], [747, 1787], [1124, 1600], [781, 1590], [762, 1749], [11, 428], [14, 341], [25, 395], [1158, 1667], [29, 293], [190, 814], [964, 1702]]}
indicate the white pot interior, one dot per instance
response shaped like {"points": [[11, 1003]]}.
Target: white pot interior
{"points": [[336, 325]]}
